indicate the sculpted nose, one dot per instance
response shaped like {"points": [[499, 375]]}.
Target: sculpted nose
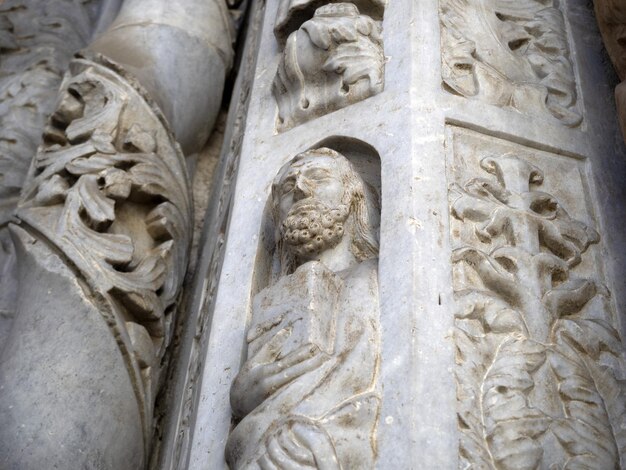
{"points": [[301, 189]]}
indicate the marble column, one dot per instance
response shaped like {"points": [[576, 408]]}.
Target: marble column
{"points": [[102, 232], [38, 41]]}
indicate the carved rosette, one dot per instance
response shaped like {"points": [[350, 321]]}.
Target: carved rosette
{"points": [[334, 60], [538, 378], [109, 191], [510, 54]]}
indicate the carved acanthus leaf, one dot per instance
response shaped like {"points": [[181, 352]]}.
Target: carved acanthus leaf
{"points": [[570, 298], [585, 432], [512, 424], [492, 273], [529, 333], [510, 54], [292, 13], [491, 312], [484, 324], [37, 40], [335, 59], [109, 190]]}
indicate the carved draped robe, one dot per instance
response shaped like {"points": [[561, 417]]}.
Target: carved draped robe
{"points": [[341, 396]]}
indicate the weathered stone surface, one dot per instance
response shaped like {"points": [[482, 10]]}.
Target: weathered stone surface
{"points": [[62, 343], [478, 323], [540, 356], [308, 392], [530, 377], [510, 53], [292, 13], [37, 41], [333, 60], [183, 392], [611, 16], [107, 203], [109, 192]]}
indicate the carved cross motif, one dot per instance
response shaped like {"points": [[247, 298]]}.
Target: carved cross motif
{"points": [[532, 339]]}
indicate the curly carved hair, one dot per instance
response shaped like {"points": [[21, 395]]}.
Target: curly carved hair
{"points": [[358, 196]]}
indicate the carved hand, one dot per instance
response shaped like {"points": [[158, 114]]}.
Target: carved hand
{"points": [[265, 373], [299, 444]]}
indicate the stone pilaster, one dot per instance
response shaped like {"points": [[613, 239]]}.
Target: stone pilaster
{"points": [[492, 144]]}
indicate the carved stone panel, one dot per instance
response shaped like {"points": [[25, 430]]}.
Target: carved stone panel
{"points": [[510, 54], [109, 191], [308, 394], [333, 60], [292, 13], [539, 358]]}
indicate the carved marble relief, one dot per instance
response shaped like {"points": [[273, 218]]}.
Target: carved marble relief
{"points": [[538, 355], [292, 13], [37, 40], [333, 60], [510, 54], [109, 191], [308, 394]]}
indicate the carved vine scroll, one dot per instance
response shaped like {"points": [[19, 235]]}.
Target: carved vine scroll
{"points": [[335, 59], [510, 54], [109, 191], [539, 359]]}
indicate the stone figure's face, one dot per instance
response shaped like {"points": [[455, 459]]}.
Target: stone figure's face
{"points": [[312, 206]]}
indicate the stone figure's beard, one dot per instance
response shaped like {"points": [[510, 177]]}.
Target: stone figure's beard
{"points": [[312, 227]]}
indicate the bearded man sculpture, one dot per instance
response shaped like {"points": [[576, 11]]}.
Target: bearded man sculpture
{"points": [[308, 394]]}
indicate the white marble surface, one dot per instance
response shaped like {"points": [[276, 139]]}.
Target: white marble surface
{"points": [[406, 124]]}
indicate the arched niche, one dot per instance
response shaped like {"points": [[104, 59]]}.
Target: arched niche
{"points": [[365, 159]]}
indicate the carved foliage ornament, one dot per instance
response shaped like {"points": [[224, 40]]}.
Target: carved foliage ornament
{"points": [[37, 40], [109, 190], [333, 60], [292, 13], [510, 53], [538, 358]]}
